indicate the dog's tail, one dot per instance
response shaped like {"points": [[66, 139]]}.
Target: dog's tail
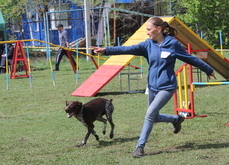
{"points": [[110, 102], [109, 105]]}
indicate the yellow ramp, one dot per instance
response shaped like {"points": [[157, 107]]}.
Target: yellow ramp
{"points": [[186, 35], [137, 37]]}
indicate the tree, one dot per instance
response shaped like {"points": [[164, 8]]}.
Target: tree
{"points": [[207, 16], [15, 8]]}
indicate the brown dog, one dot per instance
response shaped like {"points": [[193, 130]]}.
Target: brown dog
{"points": [[89, 112]]}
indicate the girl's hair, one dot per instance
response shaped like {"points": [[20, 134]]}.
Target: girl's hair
{"points": [[166, 28]]}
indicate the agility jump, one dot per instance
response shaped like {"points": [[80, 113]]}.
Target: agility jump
{"points": [[20, 55]]}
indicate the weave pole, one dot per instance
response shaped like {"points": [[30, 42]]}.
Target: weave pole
{"points": [[29, 70], [77, 63], [98, 54], [221, 41], [50, 63], [7, 68], [141, 65]]}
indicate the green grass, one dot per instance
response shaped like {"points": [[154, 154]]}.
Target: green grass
{"points": [[35, 129]]}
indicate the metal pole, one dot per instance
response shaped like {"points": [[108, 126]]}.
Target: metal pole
{"points": [[7, 68], [108, 28], [114, 32], [87, 27], [221, 41], [28, 59], [105, 30], [77, 63]]}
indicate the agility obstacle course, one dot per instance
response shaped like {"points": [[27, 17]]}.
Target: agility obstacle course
{"points": [[183, 98]]}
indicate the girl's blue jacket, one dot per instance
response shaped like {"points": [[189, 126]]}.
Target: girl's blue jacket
{"points": [[161, 60]]}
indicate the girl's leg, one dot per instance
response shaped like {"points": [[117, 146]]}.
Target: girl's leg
{"points": [[156, 101]]}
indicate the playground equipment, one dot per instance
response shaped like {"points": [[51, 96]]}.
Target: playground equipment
{"points": [[185, 94], [29, 70], [102, 76], [110, 68], [131, 76], [19, 55], [214, 58], [211, 83], [184, 97], [221, 41], [7, 70], [97, 81]]}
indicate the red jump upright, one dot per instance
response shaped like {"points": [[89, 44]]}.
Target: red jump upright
{"points": [[19, 55], [184, 98]]}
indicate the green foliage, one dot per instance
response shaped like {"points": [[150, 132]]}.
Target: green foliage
{"points": [[15, 8], [207, 16]]}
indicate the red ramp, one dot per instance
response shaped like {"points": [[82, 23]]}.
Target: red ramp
{"points": [[98, 80], [103, 75]]}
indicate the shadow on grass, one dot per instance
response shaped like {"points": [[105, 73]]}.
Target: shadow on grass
{"points": [[107, 93], [189, 146], [115, 141], [215, 113], [117, 93], [194, 146]]}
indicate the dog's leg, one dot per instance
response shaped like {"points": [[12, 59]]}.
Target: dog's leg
{"points": [[104, 126], [89, 131], [94, 133], [100, 118], [112, 127], [85, 139], [109, 111]]}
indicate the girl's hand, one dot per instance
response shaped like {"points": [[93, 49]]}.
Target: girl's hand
{"points": [[212, 75], [99, 50]]}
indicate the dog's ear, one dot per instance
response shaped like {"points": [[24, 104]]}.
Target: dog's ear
{"points": [[67, 102]]}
